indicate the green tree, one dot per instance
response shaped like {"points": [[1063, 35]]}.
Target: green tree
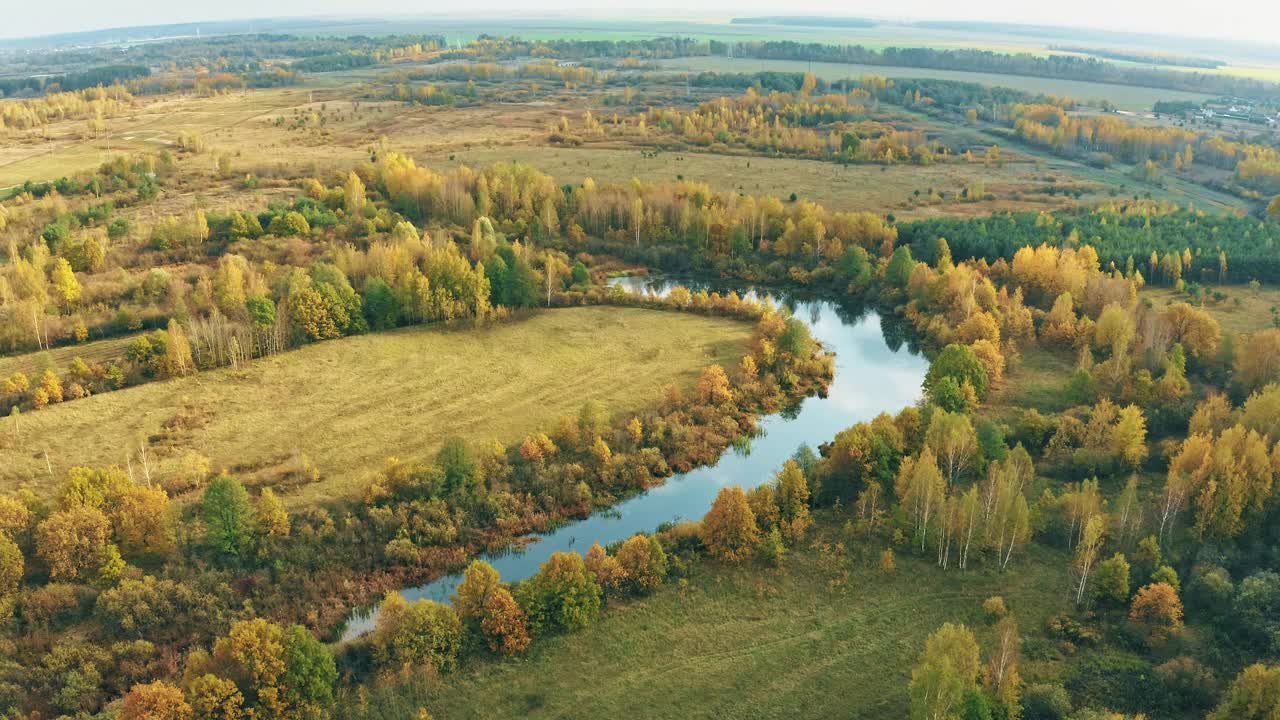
{"points": [[381, 309], [898, 272], [309, 673], [1111, 580], [961, 365], [228, 516]]}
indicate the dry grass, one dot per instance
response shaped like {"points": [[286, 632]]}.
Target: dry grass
{"points": [[1125, 97], [1254, 311], [59, 359], [873, 188], [340, 408]]}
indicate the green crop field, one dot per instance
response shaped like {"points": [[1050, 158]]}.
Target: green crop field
{"points": [[341, 408]]}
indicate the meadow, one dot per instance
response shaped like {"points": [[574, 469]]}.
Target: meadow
{"points": [[826, 635], [315, 421], [1125, 97]]}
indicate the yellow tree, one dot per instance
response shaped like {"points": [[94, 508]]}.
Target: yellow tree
{"points": [[65, 285], [1087, 552], [793, 500], [921, 489], [155, 701], [353, 194], [946, 673], [729, 528]]}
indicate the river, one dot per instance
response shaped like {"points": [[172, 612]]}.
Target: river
{"points": [[871, 377]]}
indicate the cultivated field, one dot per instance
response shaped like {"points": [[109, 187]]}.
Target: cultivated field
{"points": [[747, 642], [318, 420]]}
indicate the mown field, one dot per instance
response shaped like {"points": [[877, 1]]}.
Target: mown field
{"points": [[59, 359], [316, 421], [1125, 97], [825, 636]]}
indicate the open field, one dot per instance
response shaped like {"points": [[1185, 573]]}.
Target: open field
{"points": [[1254, 312], [747, 642], [1125, 97], [346, 405], [60, 358], [266, 128], [873, 188]]}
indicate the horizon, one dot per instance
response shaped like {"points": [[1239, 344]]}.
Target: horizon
{"points": [[53, 24]]}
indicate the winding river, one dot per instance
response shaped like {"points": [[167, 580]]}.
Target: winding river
{"points": [[873, 375]]}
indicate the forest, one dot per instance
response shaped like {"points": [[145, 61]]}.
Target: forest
{"points": [[270, 428]]}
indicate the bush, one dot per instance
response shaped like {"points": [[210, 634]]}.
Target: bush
{"points": [[995, 607], [1045, 702]]}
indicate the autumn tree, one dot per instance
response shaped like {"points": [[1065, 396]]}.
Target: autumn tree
{"points": [[1258, 361], [1087, 552], [605, 567], [955, 444], [353, 194], [503, 623], [479, 580], [1002, 679], [921, 490], [1157, 608], [946, 673], [424, 632], [140, 516], [1253, 695], [12, 566], [643, 561], [792, 492], [155, 701], [729, 528], [562, 595], [74, 542], [65, 285]]}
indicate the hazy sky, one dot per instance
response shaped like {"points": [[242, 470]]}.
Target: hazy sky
{"points": [[1249, 19]]}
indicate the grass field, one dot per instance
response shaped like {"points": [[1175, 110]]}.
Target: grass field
{"points": [[746, 642], [60, 358], [347, 405], [872, 188], [1252, 314], [1125, 97]]}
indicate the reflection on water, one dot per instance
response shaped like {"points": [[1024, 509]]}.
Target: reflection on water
{"points": [[875, 373]]}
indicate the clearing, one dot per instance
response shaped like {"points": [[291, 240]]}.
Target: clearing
{"points": [[315, 422]]}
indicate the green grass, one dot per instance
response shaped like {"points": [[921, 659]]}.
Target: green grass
{"points": [[338, 409], [1125, 97], [748, 642], [1037, 382]]}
